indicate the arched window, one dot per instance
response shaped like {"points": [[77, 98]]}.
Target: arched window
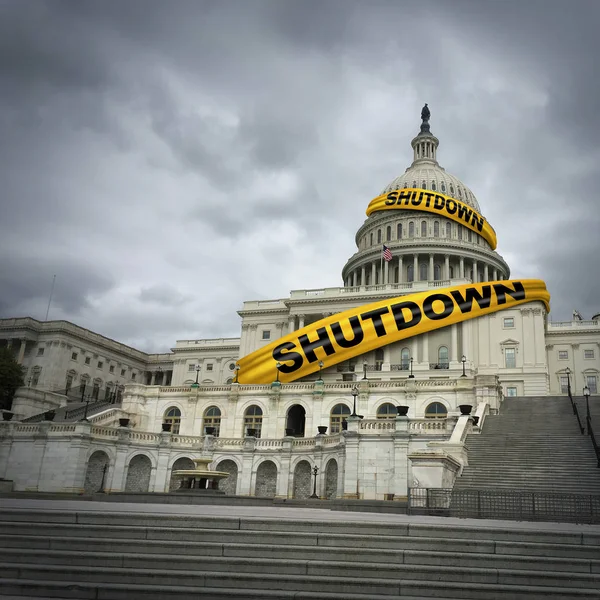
{"points": [[172, 417], [437, 272], [399, 231], [448, 230], [443, 356], [469, 235], [443, 186], [423, 272], [414, 184], [460, 192], [253, 420], [388, 233], [436, 410], [410, 273], [424, 186], [405, 359], [460, 232], [212, 418], [378, 359], [423, 228], [411, 229], [371, 239], [379, 236], [339, 413], [433, 186], [451, 272], [451, 189], [436, 229], [387, 411]]}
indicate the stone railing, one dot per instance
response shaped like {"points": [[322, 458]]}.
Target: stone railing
{"points": [[377, 425], [428, 426]]}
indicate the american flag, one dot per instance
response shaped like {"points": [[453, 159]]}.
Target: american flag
{"points": [[387, 253]]}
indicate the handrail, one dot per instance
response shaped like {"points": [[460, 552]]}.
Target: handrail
{"points": [[594, 442], [575, 411]]}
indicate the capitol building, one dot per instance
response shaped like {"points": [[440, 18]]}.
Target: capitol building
{"points": [[151, 414]]}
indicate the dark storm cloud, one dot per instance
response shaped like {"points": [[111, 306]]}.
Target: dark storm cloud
{"points": [[205, 151]]}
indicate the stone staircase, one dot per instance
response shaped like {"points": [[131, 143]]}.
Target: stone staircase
{"points": [[105, 553], [533, 444]]}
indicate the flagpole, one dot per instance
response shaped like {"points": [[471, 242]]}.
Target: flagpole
{"points": [[381, 264], [50, 299]]}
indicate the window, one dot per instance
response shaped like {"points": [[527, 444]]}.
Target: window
{"points": [[451, 272], [133, 376], [191, 368], [387, 411], [443, 186], [266, 334], [424, 186], [436, 410], [378, 359], [437, 272], [212, 418], [339, 413], [592, 383], [433, 186], [564, 384], [123, 372], [388, 233], [95, 390], [563, 355], [460, 232], [88, 360], [436, 229], [411, 229], [410, 273], [74, 356], [379, 236], [371, 239], [172, 417], [443, 356], [231, 366], [511, 391], [253, 420], [469, 235], [510, 358], [40, 352], [209, 367], [100, 364], [588, 354], [399, 232], [460, 192], [69, 383], [508, 323], [423, 228], [405, 359], [423, 272], [111, 369], [451, 189]]}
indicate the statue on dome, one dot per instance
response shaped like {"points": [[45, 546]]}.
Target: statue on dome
{"points": [[425, 113]]}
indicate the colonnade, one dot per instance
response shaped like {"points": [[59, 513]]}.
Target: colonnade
{"points": [[434, 267]]}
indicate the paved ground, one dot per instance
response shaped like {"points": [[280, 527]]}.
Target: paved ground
{"points": [[285, 513]]}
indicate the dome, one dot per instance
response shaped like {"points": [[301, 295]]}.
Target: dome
{"points": [[433, 177]]}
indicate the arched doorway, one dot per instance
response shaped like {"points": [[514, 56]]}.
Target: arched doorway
{"points": [[302, 480], [183, 463], [96, 472], [138, 474], [266, 479], [228, 485], [296, 419], [331, 479]]}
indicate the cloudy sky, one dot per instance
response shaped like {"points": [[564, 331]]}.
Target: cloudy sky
{"points": [[169, 160]]}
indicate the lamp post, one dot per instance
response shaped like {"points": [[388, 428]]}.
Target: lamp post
{"points": [[87, 401], [277, 371], [160, 376], [354, 394], [314, 472], [195, 384], [568, 372], [364, 370], [411, 376], [463, 360], [586, 393], [237, 373], [321, 365]]}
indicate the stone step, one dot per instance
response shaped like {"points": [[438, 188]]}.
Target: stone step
{"points": [[390, 580]]}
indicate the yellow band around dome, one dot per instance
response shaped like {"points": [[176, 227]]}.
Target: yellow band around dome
{"points": [[359, 330], [439, 204]]}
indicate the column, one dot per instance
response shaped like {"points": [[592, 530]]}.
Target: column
{"points": [[453, 343], [495, 274], [430, 276], [363, 276], [416, 267], [386, 272], [475, 274], [354, 277], [300, 321], [446, 267], [400, 268], [462, 268], [466, 345], [153, 377], [291, 323], [386, 359], [426, 349], [373, 273], [486, 273], [22, 352]]}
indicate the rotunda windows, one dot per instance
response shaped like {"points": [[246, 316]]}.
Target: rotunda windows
{"points": [[388, 233], [448, 230], [433, 186], [436, 229], [451, 189], [411, 229], [443, 186], [423, 228], [437, 272], [423, 272], [399, 231], [371, 239], [379, 236], [424, 186]]}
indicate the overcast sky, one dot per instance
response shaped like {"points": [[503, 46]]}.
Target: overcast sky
{"points": [[169, 160]]}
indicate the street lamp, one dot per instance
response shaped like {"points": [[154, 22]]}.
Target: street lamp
{"points": [[237, 373], [277, 371], [195, 384], [314, 472], [354, 394], [586, 393], [568, 372], [321, 365], [364, 370], [463, 360], [87, 401], [411, 376]]}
